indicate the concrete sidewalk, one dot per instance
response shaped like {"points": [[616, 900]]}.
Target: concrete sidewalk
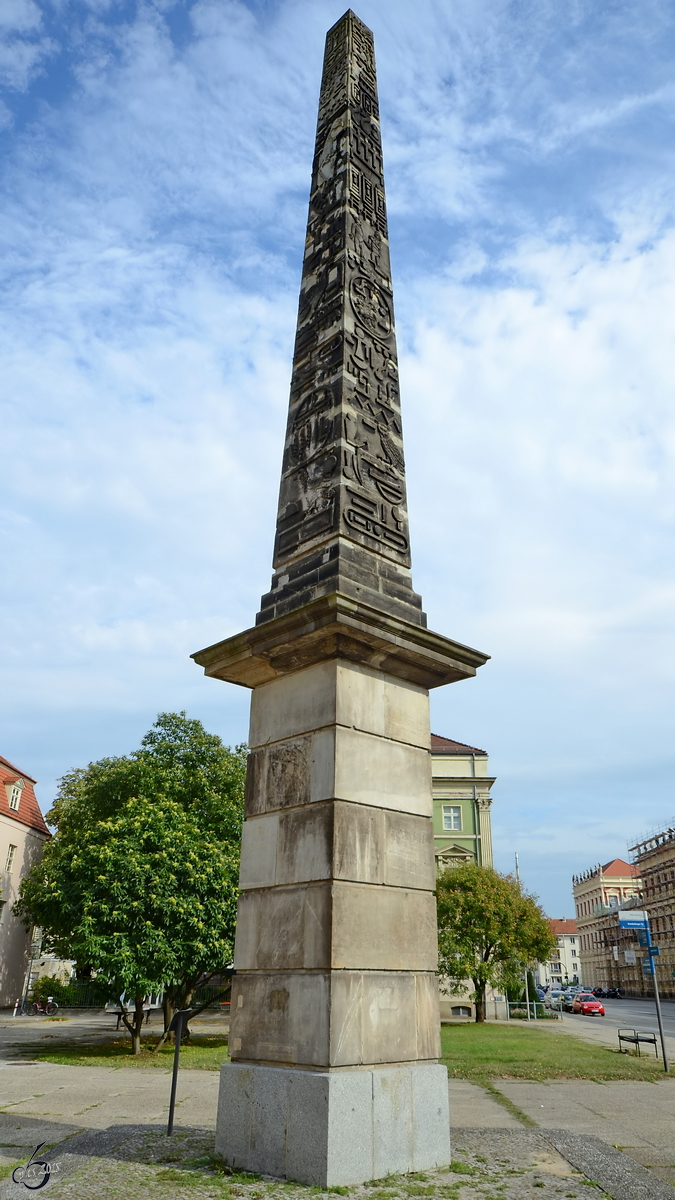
{"points": [[638, 1118], [49, 1102]]}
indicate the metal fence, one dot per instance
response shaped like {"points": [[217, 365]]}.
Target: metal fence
{"points": [[536, 1010], [88, 995]]}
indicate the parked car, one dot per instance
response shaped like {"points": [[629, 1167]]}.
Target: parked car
{"points": [[599, 992], [568, 999], [553, 998], [586, 1004], [614, 994]]}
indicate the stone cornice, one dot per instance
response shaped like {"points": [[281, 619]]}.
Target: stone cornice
{"points": [[335, 626]]}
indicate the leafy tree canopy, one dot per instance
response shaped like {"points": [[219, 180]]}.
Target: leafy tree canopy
{"points": [[140, 879], [488, 930]]}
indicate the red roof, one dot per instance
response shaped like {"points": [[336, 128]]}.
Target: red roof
{"points": [[617, 866], [28, 812], [441, 745], [560, 925]]}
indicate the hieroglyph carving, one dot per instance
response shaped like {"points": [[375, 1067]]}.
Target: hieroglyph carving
{"points": [[343, 471]]}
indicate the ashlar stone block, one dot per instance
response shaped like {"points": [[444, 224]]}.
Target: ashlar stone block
{"points": [[284, 929], [338, 692], [335, 839], [335, 1019], [336, 925], [281, 1018], [343, 764], [333, 1129], [381, 928], [386, 774]]}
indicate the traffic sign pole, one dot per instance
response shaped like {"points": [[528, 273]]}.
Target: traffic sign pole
{"points": [[640, 921], [657, 1000]]}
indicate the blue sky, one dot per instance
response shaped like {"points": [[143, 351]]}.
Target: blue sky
{"points": [[153, 196]]}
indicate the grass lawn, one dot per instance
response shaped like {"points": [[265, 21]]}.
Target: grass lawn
{"points": [[203, 1052], [484, 1052], [480, 1052]]}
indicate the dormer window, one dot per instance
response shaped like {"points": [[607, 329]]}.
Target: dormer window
{"points": [[14, 791]]}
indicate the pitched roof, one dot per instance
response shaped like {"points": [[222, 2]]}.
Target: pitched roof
{"points": [[441, 745], [28, 812], [560, 925], [617, 866]]}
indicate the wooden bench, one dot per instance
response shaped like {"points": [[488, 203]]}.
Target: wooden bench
{"points": [[636, 1039]]}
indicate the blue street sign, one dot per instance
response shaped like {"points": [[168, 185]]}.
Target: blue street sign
{"points": [[654, 951], [647, 966], [643, 937], [632, 919]]}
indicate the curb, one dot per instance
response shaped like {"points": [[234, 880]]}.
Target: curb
{"points": [[617, 1173]]}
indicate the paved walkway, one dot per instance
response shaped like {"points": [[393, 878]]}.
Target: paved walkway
{"points": [[47, 1101], [636, 1117]]}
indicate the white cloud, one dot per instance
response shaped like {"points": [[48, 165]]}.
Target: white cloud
{"points": [[23, 47]]}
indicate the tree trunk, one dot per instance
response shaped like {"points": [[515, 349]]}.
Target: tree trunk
{"points": [[137, 1025], [480, 1001], [185, 1003], [168, 1008]]}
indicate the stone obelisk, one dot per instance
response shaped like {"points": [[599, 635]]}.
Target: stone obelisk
{"points": [[334, 1035]]}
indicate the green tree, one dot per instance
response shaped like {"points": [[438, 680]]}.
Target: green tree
{"points": [[488, 930], [139, 882]]}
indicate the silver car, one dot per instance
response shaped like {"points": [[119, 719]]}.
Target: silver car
{"points": [[553, 998]]}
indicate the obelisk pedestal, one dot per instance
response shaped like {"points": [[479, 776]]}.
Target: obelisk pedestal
{"points": [[336, 936], [334, 1034]]}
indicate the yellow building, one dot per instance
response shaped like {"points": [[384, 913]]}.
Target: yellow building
{"points": [[598, 893], [462, 802]]}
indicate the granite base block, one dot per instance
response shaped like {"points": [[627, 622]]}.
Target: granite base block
{"points": [[330, 1129]]}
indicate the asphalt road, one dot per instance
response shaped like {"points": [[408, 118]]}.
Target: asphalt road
{"points": [[636, 1014]]}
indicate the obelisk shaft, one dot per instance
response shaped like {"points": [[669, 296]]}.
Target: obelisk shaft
{"points": [[343, 520]]}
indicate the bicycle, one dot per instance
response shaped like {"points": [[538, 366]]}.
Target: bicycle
{"points": [[50, 1007]]}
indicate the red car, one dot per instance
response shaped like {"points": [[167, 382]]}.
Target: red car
{"points": [[586, 1004]]}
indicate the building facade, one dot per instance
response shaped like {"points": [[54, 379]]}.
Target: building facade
{"points": [[563, 967], [23, 834], [654, 859], [462, 834], [462, 803], [598, 895]]}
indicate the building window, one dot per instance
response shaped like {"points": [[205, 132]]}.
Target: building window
{"points": [[572, 941], [452, 816], [15, 796], [574, 953], [11, 851]]}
